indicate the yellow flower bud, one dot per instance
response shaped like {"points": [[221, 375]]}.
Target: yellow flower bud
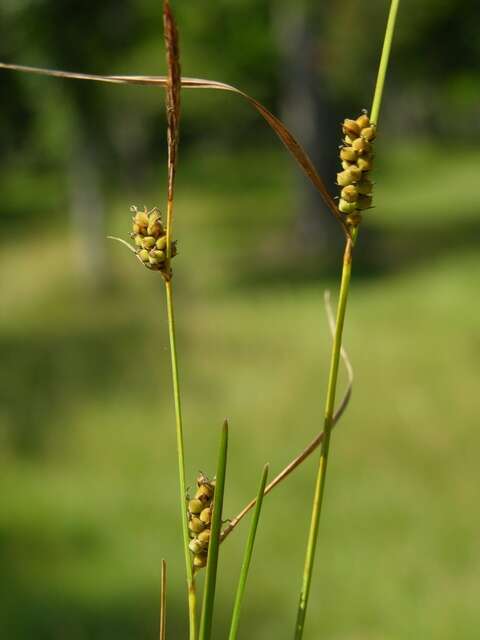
{"points": [[148, 242], [346, 165], [136, 228], [350, 193], [361, 146], [195, 506], [369, 133], [139, 241], [347, 207], [196, 525], [349, 154], [141, 219], [200, 560], [155, 229], [161, 242], [365, 163], [143, 255], [363, 121], [195, 546], [158, 255], [204, 538], [204, 493], [345, 178], [350, 128], [206, 515]]}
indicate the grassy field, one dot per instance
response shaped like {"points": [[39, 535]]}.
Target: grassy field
{"points": [[86, 421]]}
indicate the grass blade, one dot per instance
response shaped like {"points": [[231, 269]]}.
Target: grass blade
{"points": [[212, 562], [163, 602], [247, 557]]}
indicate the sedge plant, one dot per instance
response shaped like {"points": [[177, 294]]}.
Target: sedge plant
{"points": [[203, 529]]}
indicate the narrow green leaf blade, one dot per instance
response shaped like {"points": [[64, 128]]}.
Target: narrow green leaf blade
{"points": [[247, 557], [212, 562]]}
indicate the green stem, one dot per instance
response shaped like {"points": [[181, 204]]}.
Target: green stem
{"points": [[181, 460], [328, 423], [247, 557], [214, 545], [382, 69], [337, 344]]}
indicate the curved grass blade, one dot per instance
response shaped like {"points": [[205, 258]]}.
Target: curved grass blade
{"points": [[314, 444], [247, 557], [212, 561], [288, 139], [163, 602]]}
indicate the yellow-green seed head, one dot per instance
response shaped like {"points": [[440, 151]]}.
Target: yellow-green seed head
{"points": [[204, 493], [346, 165], [195, 506], [143, 255], [350, 128], [136, 228], [350, 193], [161, 243], [363, 121], [141, 219], [148, 242], [349, 154], [155, 228], [204, 538], [344, 178], [369, 133], [347, 207], [200, 560], [206, 515], [365, 163], [139, 241], [195, 546], [158, 255], [196, 525], [361, 146]]}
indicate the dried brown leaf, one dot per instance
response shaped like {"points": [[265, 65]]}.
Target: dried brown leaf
{"points": [[288, 139]]}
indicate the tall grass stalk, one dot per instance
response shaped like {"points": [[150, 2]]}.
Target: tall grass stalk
{"points": [[163, 601], [335, 356], [247, 557], [206, 619], [181, 461]]}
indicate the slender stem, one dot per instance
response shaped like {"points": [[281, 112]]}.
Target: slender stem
{"points": [[163, 602], [247, 558], [181, 459], [214, 545], [382, 69], [324, 451]]}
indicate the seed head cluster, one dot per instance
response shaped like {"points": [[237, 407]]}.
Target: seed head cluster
{"points": [[356, 156], [199, 520], [150, 238]]}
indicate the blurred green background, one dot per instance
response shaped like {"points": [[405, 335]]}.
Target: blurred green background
{"points": [[89, 492]]}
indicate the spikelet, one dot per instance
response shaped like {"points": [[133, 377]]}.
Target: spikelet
{"points": [[199, 518], [150, 238], [356, 157]]}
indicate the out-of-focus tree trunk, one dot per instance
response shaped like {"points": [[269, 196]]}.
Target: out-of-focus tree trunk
{"points": [[87, 211], [307, 110]]}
